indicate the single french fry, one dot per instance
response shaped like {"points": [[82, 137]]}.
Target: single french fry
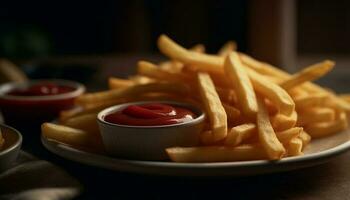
{"points": [[171, 66], [239, 134], [297, 92], [315, 115], [311, 100], [310, 73], [115, 83], [322, 129], [227, 48], [110, 95], [286, 135], [305, 137], [174, 66], [214, 109], [66, 134], [173, 50], [151, 70], [241, 83], [216, 153], [267, 136], [282, 122], [295, 147], [273, 92], [87, 122], [139, 79]]}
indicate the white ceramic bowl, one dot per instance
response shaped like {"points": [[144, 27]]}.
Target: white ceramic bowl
{"points": [[149, 142], [12, 146]]}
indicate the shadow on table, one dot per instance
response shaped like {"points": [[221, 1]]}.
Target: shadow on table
{"points": [[325, 181]]}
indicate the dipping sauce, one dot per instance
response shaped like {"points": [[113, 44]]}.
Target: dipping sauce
{"points": [[152, 114], [41, 89]]}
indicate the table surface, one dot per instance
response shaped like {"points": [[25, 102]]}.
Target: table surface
{"points": [[327, 181]]}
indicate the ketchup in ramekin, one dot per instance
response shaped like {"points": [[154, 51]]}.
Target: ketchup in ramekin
{"points": [[28, 104], [150, 114], [143, 130]]}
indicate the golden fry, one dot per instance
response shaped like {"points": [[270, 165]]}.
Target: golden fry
{"points": [[239, 134], [310, 73], [305, 137], [214, 109], [216, 153], [286, 135], [66, 134], [295, 147], [282, 122], [116, 83], [267, 136], [227, 48], [273, 92], [241, 83], [111, 95], [311, 100], [87, 122], [316, 114], [322, 129], [150, 70], [268, 69], [170, 48]]}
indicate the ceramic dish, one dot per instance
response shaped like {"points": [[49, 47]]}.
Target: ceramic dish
{"points": [[317, 152], [12, 146], [149, 142]]}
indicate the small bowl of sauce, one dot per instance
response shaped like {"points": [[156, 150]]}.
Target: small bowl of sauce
{"points": [[143, 130], [28, 104]]}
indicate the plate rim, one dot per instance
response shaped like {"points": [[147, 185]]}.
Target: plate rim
{"points": [[56, 148]]}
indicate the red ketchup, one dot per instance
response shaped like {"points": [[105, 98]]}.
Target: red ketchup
{"points": [[152, 114], [41, 89]]}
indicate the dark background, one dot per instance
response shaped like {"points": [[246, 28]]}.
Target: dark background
{"points": [[81, 27]]}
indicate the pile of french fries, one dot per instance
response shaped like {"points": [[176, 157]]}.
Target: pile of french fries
{"points": [[253, 109]]}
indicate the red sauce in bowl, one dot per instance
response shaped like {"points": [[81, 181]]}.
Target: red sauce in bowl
{"points": [[152, 114], [41, 89]]}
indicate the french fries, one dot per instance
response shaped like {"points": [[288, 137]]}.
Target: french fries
{"points": [[66, 134], [214, 109], [239, 134], [216, 153], [315, 115], [253, 109], [282, 122], [115, 83], [178, 88], [308, 74], [87, 122], [295, 147], [267, 135], [241, 83], [322, 129], [273, 92], [286, 135], [227, 48]]}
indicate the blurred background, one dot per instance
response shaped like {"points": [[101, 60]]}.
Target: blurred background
{"points": [[77, 39]]}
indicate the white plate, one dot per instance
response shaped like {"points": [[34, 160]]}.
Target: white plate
{"points": [[317, 152]]}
